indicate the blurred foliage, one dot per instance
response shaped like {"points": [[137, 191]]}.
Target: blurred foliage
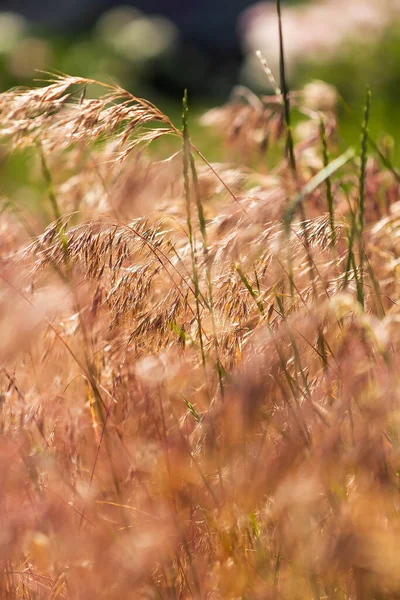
{"points": [[356, 66], [116, 49]]}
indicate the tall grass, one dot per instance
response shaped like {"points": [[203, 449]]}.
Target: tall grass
{"points": [[199, 390]]}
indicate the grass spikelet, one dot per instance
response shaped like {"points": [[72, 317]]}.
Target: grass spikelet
{"points": [[60, 119]]}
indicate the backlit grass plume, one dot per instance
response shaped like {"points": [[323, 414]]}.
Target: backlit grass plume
{"points": [[199, 376]]}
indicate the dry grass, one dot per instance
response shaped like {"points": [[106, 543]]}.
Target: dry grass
{"points": [[199, 363]]}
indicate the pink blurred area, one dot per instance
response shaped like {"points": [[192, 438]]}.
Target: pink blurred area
{"points": [[313, 30]]}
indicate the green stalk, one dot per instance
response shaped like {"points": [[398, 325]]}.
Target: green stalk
{"points": [[203, 231], [314, 183], [285, 92], [250, 289], [49, 183], [364, 158], [48, 179], [186, 177], [328, 182]]}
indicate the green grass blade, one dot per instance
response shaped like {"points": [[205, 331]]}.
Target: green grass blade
{"points": [[314, 183], [361, 215], [186, 178], [328, 182], [285, 92]]}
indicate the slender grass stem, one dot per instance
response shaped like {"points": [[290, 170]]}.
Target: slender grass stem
{"points": [[362, 181], [192, 243], [285, 92], [328, 182]]}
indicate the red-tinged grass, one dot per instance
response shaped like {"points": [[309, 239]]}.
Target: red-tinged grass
{"points": [[199, 369]]}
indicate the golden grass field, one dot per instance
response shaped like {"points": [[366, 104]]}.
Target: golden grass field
{"points": [[199, 362]]}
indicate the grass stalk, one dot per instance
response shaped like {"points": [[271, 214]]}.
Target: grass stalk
{"points": [[362, 181], [192, 242], [328, 182], [203, 232], [285, 93]]}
